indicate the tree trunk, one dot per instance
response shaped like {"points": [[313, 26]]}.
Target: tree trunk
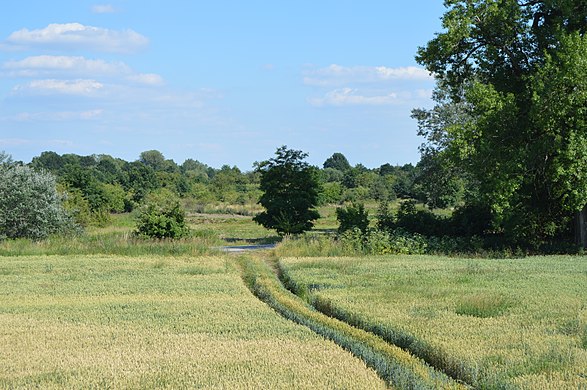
{"points": [[581, 227]]}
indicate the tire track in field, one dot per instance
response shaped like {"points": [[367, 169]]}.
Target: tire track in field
{"points": [[398, 367]]}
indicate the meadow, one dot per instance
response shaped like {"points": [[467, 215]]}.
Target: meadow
{"points": [[491, 323], [94, 321]]}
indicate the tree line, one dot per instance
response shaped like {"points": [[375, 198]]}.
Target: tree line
{"points": [[102, 184]]}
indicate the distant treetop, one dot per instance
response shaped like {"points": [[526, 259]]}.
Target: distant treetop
{"points": [[337, 161]]}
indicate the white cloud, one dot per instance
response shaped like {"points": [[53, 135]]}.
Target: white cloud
{"points": [[79, 87], [103, 9], [45, 65], [58, 116], [76, 36], [350, 97], [146, 79], [77, 67], [339, 75]]}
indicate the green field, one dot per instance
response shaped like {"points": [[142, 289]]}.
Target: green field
{"points": [[105, 309], [154, 322], [490, 323]]}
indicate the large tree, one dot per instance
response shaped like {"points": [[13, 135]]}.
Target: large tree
{"points": [[517, 72], [290, 192]]}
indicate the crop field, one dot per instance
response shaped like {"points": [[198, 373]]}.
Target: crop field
{"points": [[98, 321], [518, 323]]}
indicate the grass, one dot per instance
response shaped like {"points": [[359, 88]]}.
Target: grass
{"points": [[398, 367], [154, 322], [209, 231], [490, 323]]}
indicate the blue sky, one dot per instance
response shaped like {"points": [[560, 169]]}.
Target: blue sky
{"points": [[223, 82]]}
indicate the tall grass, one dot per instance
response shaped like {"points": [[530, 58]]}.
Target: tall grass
{"points": [[115, 243]]}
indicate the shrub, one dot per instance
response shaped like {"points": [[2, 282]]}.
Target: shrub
{"points": [[421, 221], [161, 216], [31, 206], [353, 216]]}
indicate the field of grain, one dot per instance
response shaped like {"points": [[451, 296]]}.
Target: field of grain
{"points": [[490, 323], [154, 322]]}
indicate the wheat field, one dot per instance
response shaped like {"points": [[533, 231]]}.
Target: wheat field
{"points": [[154, 322], [492, 323]]}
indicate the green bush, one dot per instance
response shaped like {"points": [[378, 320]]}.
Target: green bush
{"points": [[161, 216], [30, 206], [353, 216]]}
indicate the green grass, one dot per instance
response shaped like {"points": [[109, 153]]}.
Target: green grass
{"points": [[491, 323], [398, 367], [231, 229], [154, 322]]}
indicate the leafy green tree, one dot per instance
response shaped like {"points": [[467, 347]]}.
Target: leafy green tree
{"points": [[141, 180], [290, 192], [438, 182], [330, 193], [329, 175], [518, 70], [337, 161], [353, 216], [153, 159], [48, 161], [31, 206], [161, 216]]}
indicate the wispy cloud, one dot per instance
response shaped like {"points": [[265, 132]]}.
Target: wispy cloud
{"points": [[352, 97], [81, 87], [46, 66], [334, 75], [58, 116], [76, 36], [146, 79], [103, 9]]}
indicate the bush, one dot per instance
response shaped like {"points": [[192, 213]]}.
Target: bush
{"points": [[353, 216], [379, 242], [161, 216], [421, 221], [472, 220], [31, 206]]}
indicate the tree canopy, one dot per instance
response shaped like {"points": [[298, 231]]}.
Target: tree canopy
{"points": [[337, 161], [512, 108], [290, 192]]}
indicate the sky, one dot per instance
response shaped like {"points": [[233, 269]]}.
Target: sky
{"points": [[221, 82]]}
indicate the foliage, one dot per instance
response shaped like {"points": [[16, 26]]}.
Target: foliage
{"points": [[161, 216], [353, 216], [31, 207], [290, 192], [438, 183], [337, 161], [413, 219], [331, 193], [512, 92]]}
